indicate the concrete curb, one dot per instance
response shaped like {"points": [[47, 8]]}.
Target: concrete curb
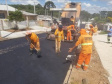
{"points": [[5, 39]]}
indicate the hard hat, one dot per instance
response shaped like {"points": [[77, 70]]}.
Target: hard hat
{"points": [[28, 32], [83, 31], [60, 26], [91, 25]]}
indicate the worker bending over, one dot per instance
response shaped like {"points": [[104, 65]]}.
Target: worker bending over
{"points": [[86, 49], [34, 43], [59, 36], [69, 34]]}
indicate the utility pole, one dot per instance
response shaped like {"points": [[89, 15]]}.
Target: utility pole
{"points": [[7, 8], [34, 7]]}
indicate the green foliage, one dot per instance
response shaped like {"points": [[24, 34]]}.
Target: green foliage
{"points": [[109, 14], [85, 15], [38, 8], [103, 32], [95, 15], [99, 20], [109, 19], [30, 8], [15, 16], [49, 4]]}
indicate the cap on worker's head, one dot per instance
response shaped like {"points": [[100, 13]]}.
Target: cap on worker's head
{"points": [[71, 16], [60, 26], [28, 32], [83, 31], [91, 25]]}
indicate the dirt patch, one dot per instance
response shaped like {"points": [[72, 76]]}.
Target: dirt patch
{"points": [[95, 74]]}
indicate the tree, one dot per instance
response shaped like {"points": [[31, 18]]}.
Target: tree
{"points": [[95, 15], [30, 8], [16, 16], [109, 19], [48, 5], [85, 15]]}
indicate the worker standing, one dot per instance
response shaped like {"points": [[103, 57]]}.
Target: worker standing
{"points": [[69, 33], [109, 34], [59, 36], [34, 43], [95, 29], [72, 19], [86, 49], [91, 30]]}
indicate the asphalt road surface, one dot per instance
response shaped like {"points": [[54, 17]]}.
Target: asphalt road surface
{"points": [[18, 67]]}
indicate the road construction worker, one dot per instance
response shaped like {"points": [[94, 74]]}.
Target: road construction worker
{"points": [[72, 19], [59, 36], [96, 28], [86, 49], [69, 34], [34, 43], [109, 34], [91, 30]]}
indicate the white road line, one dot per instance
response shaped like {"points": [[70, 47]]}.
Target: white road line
{"points": [[66, 81]]}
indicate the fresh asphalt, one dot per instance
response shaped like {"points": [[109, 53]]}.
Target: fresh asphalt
{"points": [[18, 67]]}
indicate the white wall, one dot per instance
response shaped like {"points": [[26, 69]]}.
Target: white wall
{"points": [[21, 25]]}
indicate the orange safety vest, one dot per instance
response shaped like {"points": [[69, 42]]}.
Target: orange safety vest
{"points": [[35, 39], [71, 27], [86, 43]]}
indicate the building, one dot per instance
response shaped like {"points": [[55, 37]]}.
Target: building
{"points": [[3, 13], [4, 22], [74, 14]]}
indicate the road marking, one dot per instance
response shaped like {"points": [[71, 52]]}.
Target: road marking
{"points": [[67, 78], [66, 81], [11, 48]]}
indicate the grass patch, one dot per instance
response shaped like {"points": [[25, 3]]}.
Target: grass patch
{"points": [[103, 32]]}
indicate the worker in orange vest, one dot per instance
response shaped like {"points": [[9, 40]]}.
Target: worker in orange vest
{"points": [[86, 49], [33, 39], [91, 30], [59, 36], [72, 19], [69, 34]]}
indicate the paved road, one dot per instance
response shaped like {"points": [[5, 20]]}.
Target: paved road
{"points": [[18, 67]]}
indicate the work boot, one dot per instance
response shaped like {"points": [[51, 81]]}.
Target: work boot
{"points": [[85, 68], [71, 40], [77, 67], [39, 54]]}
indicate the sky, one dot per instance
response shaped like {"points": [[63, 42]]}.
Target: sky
{"points": [[92, 6]]}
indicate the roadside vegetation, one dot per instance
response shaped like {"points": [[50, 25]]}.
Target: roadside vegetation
{"points": [[103, 32]]}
